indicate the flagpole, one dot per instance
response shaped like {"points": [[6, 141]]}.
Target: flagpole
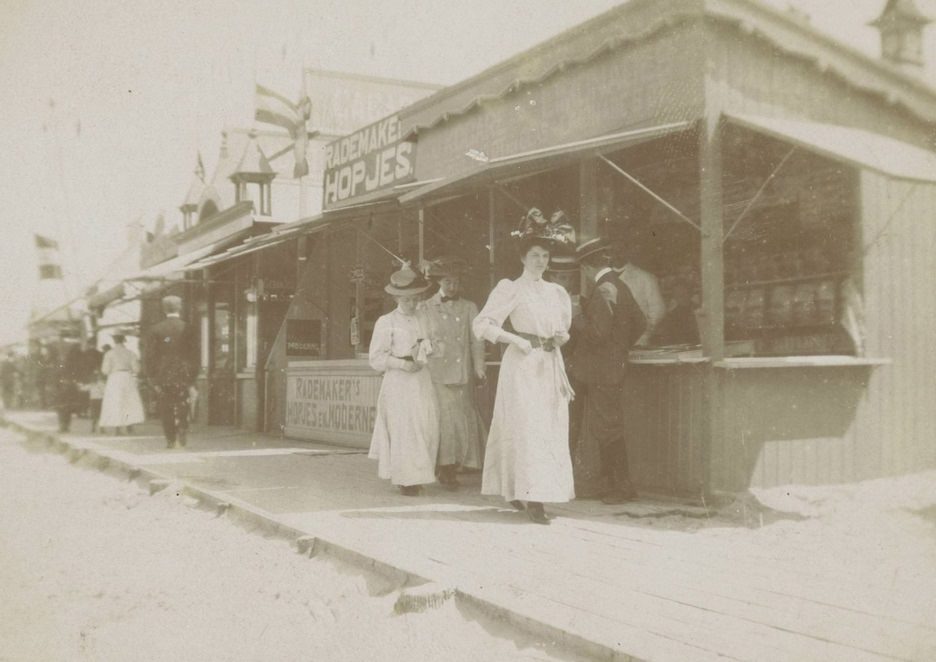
{"points": [[305, 128]]}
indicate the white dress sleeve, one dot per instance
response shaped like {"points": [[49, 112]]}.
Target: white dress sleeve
{"points": [[107, 365], [565, 309], [380, 345], [503, 299]]}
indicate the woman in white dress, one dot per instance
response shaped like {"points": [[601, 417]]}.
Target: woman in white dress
{"points": [[406, 431], [121, 406], [527, 457]]}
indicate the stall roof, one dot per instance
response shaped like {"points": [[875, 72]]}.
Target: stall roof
{"points": [[513, 165], [275, 238], [169, 269], [850, 145]]}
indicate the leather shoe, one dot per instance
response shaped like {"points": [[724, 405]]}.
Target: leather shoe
{"points": [[536, 513], [517, 505], [410, 490]]}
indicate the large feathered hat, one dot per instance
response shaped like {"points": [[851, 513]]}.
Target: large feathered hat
{"points": [[556, 230]]}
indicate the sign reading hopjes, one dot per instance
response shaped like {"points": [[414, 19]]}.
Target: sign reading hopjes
{"points": [[368, 160]]}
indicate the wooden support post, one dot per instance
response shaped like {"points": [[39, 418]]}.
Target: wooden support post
{"points": [[492, 235], [712, 258], [422, 234], [588, 200]]}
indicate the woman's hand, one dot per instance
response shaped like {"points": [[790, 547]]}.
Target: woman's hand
{"points": [[560, 338], [522, 344], [411, 366]]}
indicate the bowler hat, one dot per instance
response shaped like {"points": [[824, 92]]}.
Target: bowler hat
{"points": [[591, 248], [406, 282], [563, 263]]}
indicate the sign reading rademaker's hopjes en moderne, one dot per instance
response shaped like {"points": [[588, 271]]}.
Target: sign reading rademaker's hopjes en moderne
{"points": [[370, 159]]}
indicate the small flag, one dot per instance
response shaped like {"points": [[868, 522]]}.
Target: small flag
{"points": [[273, 108], [200, 168], [50, 267]]}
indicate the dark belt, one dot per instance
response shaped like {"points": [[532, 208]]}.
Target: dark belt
{"points": [[405, 358], [546, 344]]}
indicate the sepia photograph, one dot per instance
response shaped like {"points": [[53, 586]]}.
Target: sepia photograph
{"points": [[480, 331]]}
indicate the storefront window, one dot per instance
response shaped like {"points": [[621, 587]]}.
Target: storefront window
{"points": [[375, 243], [787, 262]]}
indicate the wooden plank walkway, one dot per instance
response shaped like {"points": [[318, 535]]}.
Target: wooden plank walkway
{"points": [[655, 581]]}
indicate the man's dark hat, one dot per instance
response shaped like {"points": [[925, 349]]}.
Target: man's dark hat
{"points": [[591, 248]]}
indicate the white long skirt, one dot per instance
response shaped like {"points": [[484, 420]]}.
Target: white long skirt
{"points": [[121, 405], [527, 456], [406, 432]]}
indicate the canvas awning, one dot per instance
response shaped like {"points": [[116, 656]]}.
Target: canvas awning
{"points": [[855, 147], [503, 168], [277, 237]]}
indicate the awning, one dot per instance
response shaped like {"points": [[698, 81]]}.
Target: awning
{"points": [[523, 163], [278, 236], [855, 147], [173, 268], [108, 296]]}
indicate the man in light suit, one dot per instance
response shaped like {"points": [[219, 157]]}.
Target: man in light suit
{"points": [[605, 331], [456, 365], [170, 351]]}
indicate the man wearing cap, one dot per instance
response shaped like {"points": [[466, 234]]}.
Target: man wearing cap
{"points": [[456, 362], [170, 365], [610, 323]]}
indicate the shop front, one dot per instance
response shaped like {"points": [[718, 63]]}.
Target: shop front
{"points": [[784, 232]]}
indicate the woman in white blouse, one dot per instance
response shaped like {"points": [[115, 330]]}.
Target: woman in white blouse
{"points": [[527, 457], [121, 406], [406, 431]]}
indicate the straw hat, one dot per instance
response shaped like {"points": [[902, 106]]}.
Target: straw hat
{"points": [[591, 248], [406, 282]]}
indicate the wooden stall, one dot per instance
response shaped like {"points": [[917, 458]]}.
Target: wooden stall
{"points": [[780, 187]]}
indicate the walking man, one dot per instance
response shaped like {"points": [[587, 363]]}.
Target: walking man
{"points": [[607, 328], [170, 366]]}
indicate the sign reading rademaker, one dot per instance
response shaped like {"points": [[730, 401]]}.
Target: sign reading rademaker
{"points": [[368, 160]]}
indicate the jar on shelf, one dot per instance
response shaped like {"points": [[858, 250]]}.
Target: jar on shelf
{"points": [[804, 304], [734, 310], [754, 304], [780, 310], [825, 302]]}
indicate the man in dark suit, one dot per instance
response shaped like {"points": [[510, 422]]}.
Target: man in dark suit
{"points": [[609, 325], [170, 366]]}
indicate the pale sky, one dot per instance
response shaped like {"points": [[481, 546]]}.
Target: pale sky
{"points": [[152, 82]]}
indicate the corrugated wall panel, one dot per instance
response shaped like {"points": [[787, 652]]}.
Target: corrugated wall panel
{"points": [[665, 447], [898, 417]]}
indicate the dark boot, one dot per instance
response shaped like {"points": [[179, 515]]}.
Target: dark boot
{"points": [[447, 477], [536, 512]]}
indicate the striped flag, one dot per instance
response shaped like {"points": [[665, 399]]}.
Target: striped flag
{"points": [[50, 267], [274, 108]]}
